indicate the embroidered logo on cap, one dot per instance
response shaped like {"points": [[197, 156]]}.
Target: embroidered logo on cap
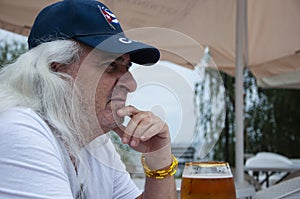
{"points": [[108, 16], [125, 40]]}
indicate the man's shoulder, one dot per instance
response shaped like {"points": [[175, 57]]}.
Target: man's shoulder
{"points": [[18, 114], [23, 121]]}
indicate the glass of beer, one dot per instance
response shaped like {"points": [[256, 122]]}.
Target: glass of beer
{"points": [[210, 180]]}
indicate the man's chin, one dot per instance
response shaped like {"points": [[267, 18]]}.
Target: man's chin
{"points": [[110, 118], [119, 122]]}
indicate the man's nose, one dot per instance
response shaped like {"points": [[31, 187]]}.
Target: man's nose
{"points": [[127, 81]]}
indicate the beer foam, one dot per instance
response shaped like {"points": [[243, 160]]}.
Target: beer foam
{"points": [[207, 176]]}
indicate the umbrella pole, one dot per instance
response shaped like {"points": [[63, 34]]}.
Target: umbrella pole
{"points": [[239, 81]]}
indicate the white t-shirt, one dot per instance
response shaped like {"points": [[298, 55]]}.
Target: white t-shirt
{"points": [[35, 165]]}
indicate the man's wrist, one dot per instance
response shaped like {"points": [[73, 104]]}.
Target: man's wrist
{"points": [[159, 159], [160, 173]]}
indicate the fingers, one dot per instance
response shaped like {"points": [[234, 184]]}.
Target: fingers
{"points": [[127, 111], [142, 126]]}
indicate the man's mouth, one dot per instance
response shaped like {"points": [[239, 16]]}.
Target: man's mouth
{"points": [[116, 103], [116, 100]]}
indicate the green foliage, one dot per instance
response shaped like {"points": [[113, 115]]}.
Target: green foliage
{"points": [[224, 149], [122, 149], [129, 156], [278, 128], [271, 121], [10, 51], [210, 110]]}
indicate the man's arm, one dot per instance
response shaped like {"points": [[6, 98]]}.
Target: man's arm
{"points": [[148, 134], [158, 187]]}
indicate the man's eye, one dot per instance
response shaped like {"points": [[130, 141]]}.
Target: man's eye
{"points": [[119, 59], [111, 68]]}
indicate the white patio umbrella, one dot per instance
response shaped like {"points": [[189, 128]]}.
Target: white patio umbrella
{"points": [[271, 30], [263, 35]]}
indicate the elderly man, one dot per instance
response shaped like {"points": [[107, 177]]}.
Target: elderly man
{"points": [[58, 101]]}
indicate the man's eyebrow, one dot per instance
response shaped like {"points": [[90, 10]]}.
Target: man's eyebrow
{"points": [[112, 56], [107, 59]]}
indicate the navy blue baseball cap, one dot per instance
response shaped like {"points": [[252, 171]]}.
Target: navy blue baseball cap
{"points": [[89, 22]]}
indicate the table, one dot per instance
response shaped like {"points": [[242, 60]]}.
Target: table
{"points": [[244, 190], [270, 170]]}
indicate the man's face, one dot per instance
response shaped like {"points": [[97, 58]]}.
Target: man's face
{"points": [[111, 92], [104, 81]]}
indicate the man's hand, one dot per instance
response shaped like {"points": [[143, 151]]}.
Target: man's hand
{"points": [[145, 131], [148, 134]]}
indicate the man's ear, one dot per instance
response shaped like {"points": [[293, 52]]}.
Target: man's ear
{"points": [[54, 66]]}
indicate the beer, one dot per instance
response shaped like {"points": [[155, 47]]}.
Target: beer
{"points": [[214, 188], [209, 180]]}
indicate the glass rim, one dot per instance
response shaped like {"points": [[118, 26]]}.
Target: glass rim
{"points": [[207, 163]]}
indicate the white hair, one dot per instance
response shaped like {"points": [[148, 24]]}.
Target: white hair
{"points": [[30, 82]]}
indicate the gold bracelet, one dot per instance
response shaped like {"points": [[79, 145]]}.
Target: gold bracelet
{"points": [[160, 174]]}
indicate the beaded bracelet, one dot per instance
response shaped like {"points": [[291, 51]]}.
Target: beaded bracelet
{"points": [[160, 174]]}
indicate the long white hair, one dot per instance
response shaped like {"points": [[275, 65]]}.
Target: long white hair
{"points": [[30, 82]]}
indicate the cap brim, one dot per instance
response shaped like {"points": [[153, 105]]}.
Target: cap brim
{"points": [[140, 53]]}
